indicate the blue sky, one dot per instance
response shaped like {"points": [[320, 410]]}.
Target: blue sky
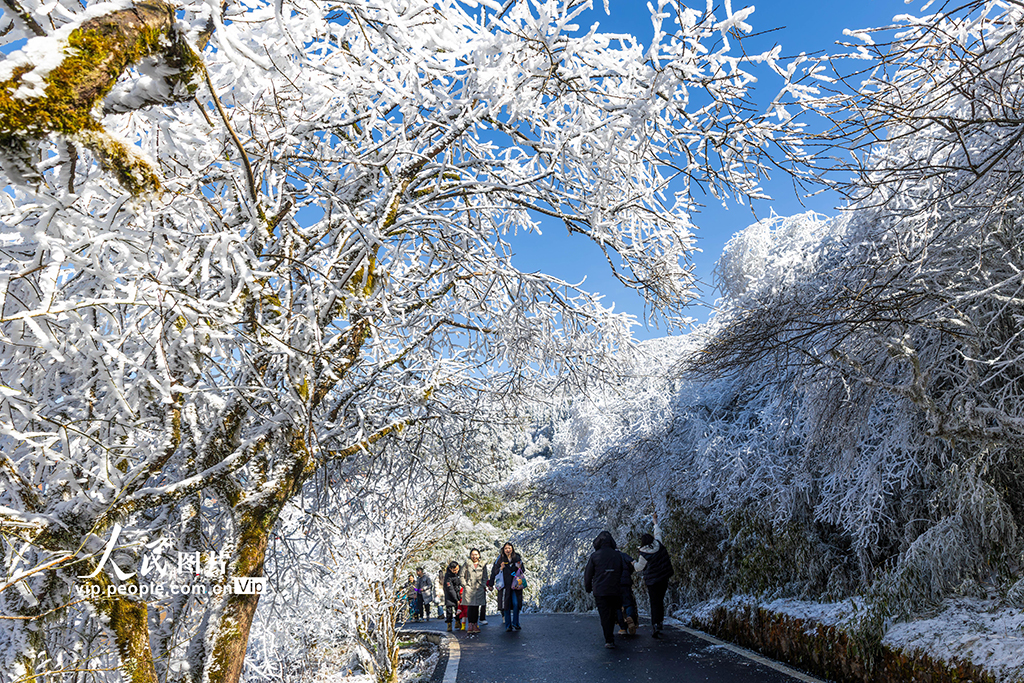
{"points": [[801, 26]]}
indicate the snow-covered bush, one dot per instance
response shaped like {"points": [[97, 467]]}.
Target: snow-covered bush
{"points": [[786, 478]]}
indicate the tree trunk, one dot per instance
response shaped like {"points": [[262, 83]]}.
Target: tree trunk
{"points": [[227, 657], [129, 620]]}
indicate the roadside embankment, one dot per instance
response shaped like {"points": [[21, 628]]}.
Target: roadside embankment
{"points": [[831, 645]]}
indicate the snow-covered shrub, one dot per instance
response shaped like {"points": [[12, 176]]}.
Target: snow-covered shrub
{"points": [[565, 593], [1015, 594], [814, 479], [338, 569], [773, 253]]}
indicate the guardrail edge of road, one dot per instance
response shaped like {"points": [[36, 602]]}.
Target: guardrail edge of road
{"points": [[749, 654]]}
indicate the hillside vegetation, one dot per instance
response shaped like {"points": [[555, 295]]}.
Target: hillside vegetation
{"points": [[849, 422]]}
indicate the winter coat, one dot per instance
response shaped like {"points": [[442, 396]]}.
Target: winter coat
{"points": [[452, 589], [627, 571], [654, 561], [426, 588], [507, 569], [604, 570], [475, 580]]}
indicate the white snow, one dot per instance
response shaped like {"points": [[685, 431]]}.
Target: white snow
{"points": [[985, 632], [45, 53]]}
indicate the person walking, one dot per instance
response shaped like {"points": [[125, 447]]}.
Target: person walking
{"points": [[410, 597], [452, 592], [656, 566], [475, 577], [603, 577], [440, 583], [425, 589], [483, 612], [628, 617], [508, 576]]}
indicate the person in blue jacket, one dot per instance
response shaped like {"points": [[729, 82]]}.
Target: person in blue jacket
{"points": [[629, 619]]}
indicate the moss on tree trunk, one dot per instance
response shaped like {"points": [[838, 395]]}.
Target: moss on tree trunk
{"points": [[255, 524], [129, 620], [97, 53], [228, 656], [130, 623]]}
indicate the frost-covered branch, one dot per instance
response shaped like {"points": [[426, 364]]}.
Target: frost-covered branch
{"points": [[327, 263], [56, 81]]}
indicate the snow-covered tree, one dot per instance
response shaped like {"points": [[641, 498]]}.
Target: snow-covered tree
{"points": [[907, 324], [851, 418], [340, 557], [247, 241]]}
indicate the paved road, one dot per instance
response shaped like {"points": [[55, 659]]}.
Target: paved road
{"points": [[569, 648]]}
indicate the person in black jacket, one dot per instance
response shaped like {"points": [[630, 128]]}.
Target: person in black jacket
{"points": [[452, 592], [656, 566], [602, 577]]}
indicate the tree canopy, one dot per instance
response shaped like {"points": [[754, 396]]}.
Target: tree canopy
{"points": [[849, 422], [246, 243]]}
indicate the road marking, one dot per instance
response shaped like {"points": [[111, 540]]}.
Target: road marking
{"points": [[782, 668], [451, 672]]}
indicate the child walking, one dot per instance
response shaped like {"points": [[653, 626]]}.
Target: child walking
{"points": [[452, 593]]}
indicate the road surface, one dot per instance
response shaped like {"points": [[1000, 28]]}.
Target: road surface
{"points": [[569, 648]]}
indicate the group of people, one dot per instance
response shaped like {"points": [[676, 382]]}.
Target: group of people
{"points": [[419, 594], [609, 576], [464, 589]]}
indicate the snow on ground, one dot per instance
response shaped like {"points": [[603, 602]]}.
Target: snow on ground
{"points": [[985, 632], [979, 631], [342, 677], [839, 613], [421, 669]]}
